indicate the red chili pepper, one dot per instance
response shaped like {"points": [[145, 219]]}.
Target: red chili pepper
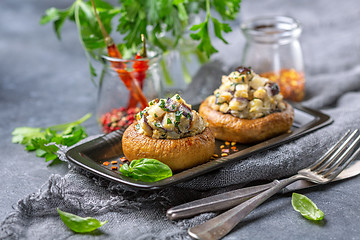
{"points": [[140, 68], [129, 81], [136, 94]]}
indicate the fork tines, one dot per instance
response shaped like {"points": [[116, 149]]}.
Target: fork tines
{"points": [[338, 157]]}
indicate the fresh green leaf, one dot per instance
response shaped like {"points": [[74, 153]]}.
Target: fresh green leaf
{"points": [[228, 9], [146, 170], [40, 152], [50, 157], [80, 224], [219, 28], [203, 35], [37, 139], [22, 134], [306, 207], [58, 17]]}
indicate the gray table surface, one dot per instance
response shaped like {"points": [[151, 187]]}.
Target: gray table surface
{"points": [[44, 82]]}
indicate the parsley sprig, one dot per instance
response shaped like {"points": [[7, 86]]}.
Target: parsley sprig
{"points": [[37, 139], [228, 10], [82, 14]]}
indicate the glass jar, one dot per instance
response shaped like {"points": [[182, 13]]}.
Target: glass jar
{"points": [[273, 50], [116, 107]]}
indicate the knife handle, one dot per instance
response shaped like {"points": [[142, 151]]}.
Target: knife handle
{"points": [[215, 203]]}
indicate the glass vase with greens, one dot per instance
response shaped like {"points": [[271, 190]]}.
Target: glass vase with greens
{"points": [[170, 25]]}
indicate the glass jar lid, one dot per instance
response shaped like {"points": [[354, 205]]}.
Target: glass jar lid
{"points": [[272, 29]]}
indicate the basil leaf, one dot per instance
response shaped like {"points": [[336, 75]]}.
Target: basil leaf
{"points": [[306, 207], [146, 170], [80, 224]]}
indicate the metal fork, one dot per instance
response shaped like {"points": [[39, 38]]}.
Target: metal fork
{"points": [[325, 169]]}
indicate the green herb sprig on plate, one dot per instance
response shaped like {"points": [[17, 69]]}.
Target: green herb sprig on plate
{"points": [[36, 139], [146, 170], [306, 207]]}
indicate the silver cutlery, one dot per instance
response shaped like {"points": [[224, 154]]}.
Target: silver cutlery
{"points": [[227, 200], [322, 171]]}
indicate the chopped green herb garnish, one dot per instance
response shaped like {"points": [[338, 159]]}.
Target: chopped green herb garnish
{"points": [[178, 116], [151, 103], [155, 115], [162, 105], [137, 126], [157, 124], [173, 107], [243, 79], [142, 113], [168, 121], [188, 116], [177, 97]]}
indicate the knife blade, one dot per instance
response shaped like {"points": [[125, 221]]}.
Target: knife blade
{"points": [[230, 199]]}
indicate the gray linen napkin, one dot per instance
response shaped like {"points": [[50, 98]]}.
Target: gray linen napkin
{"points": [[333, 86]]}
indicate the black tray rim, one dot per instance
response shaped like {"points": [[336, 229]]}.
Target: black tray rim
{"points": [[76, 154]]}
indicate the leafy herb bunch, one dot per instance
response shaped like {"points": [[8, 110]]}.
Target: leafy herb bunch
{"points": [[156, 19]]}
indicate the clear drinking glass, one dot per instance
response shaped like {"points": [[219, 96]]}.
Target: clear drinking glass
{"points": [[273, 50], [114, 107]]}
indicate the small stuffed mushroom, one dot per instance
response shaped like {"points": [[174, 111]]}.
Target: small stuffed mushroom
{"points": [[247, 108], [171, 132]]}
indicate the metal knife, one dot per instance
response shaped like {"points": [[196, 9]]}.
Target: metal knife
{"points": [[230, 199]]}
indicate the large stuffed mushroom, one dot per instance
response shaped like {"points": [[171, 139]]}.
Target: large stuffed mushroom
{"points": [[171, 132], [247, 108]]}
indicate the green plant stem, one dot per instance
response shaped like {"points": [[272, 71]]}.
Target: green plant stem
{"points": [[167, 76], [78, 26]]}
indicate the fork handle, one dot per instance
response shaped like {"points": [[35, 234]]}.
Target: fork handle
{"points": [[221, 225]]}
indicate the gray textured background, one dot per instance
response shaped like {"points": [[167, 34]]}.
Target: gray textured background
{"points": [[44, 82]]}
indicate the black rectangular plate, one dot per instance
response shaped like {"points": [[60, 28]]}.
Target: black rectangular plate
{"points": [[92, 154]]}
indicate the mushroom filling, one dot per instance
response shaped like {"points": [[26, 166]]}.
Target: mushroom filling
{"points": [[245, 94], [170, 118]]}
